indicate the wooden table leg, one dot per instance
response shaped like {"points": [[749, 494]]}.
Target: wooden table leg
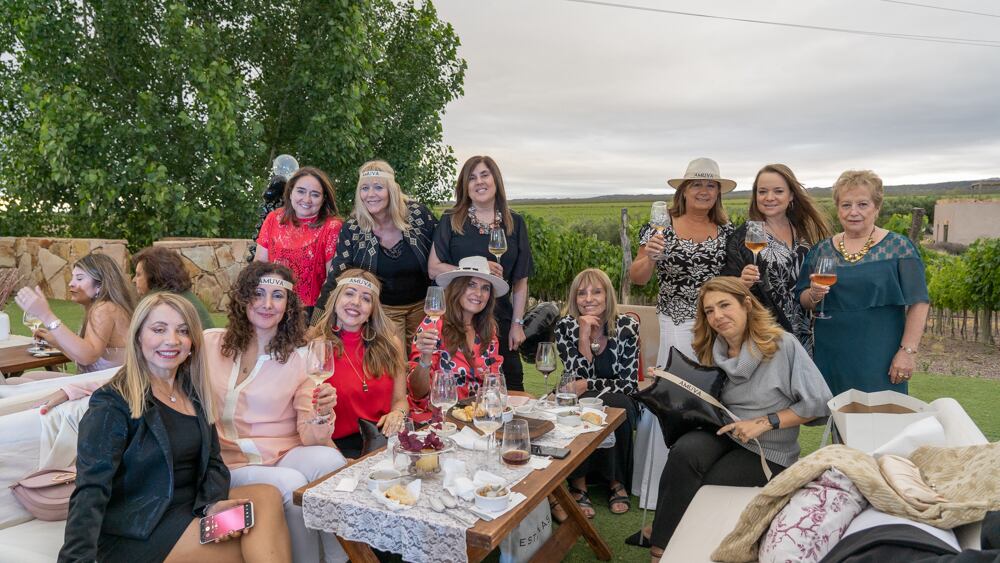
{"points": [[358, 552], [577, 524]]}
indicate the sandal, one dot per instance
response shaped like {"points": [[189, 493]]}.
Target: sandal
{"points": [[558, 512], [619, 496], [586, 506]]}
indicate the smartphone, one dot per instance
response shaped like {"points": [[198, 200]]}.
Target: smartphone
{"points": [[219, 525], [558, 453]]}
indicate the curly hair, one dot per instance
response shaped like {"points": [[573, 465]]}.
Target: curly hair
{"points": [[291, 330], [163, 268], [761, 327]]}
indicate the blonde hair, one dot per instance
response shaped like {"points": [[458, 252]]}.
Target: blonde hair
{"points": [[113, 286], [761, 329], [397, 199], [382, 352], [132, 380], [595, 277], [854, 178], [717, 214]]}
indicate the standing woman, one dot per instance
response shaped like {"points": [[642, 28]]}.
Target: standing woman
{"points": [[370, 366], [693, 250], [389, 235], [793, 225], [464, 230], [107, 298], [879, 306], [601, 348], [303, 233]]}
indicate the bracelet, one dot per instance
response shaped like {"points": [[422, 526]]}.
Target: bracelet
{"points": [[53, 325], [421, 363]]}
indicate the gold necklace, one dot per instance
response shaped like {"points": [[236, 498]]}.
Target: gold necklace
{"points": [[361, 376], [856, 256]]}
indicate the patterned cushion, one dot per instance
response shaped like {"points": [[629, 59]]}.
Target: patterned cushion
{"points": [[813, 521]]}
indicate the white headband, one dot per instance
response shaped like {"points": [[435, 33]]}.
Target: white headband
{"points": [[358, 281], [377, 174], [277, 282]]}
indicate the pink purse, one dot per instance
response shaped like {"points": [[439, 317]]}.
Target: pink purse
{"points": [[45, 494]]}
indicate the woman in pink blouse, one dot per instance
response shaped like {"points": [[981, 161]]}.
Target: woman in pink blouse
{"points": [[264, 400], [462, 341]]}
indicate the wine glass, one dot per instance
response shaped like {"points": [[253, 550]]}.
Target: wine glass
{"points": [[565, 395], [33, 323], [756, 238], [434, 306], [444, 391], [496, 380], [825, 273], [320, 362], [545, 359], [516, 446], [659, 219], [488, 417], [498, 242]]}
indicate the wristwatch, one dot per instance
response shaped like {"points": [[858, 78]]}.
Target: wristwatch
{"points": [[908, 350], [774, 420], [519, 321]]}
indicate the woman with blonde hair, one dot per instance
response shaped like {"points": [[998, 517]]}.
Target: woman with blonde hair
{"points": [[792, 225], [771, 384], [370, 367], [108, 300], [601, 348], [389, 235], [148, 460]]}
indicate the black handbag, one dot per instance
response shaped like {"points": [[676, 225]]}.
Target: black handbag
{"points": [[678, 410], [539, 324], [371, 437]]}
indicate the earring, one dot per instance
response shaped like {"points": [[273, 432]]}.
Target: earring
{"points": [[364, 333]]}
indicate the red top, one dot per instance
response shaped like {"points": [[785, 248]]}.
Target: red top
{"points": [[303, 249], [353, 402], [487, 359]]}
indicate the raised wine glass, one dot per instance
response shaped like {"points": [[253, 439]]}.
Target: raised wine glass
{"points": [[825, 273], [444, 392], [320, 362], [659, 219], [545, 359], [434, 306], [498, 242], [756, 238], [33, 323]]}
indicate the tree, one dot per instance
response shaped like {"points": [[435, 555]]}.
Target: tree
{"points": [[153, 118]]}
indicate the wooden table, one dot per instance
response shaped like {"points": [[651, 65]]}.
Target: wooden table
{"points": [[484, 537], [14, 360]]}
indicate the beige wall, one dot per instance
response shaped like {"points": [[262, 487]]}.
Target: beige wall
{"points": [[966, 220], [48, 262]]}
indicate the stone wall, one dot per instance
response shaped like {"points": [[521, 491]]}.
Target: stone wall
{"points": [[213, 265], [48, 262]]}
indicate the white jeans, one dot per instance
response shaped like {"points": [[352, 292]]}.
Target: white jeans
{"points": [[300, 466], [678, 336]]}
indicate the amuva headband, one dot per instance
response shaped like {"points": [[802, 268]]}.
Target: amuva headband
{"points": [[359, 281], [278, 282]]}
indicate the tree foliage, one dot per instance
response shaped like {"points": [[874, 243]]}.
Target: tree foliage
{"points": [[154, 118]]}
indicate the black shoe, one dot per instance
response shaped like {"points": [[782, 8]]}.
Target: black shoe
{"points": [[638, 540]]}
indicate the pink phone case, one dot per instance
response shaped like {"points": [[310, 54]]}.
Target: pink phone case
{"points": [[232, 520]]}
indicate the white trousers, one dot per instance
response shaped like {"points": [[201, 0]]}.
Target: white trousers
{"points": [[300, 466]]}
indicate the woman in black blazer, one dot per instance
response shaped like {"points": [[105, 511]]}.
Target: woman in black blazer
{"points": [[148, 463]]}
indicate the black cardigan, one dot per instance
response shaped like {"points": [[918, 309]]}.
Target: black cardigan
{"points": [[737, 257], [124, 474]]}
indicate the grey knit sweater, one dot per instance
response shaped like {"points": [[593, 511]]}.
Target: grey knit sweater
{"points": [[754, 388]]}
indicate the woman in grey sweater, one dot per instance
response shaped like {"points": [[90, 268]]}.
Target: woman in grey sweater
{"points": [[772, 385]]}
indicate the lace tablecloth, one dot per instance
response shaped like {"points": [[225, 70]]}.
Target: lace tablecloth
{"points": [[418, 534]]}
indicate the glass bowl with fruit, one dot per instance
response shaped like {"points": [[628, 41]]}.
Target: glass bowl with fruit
{"points": [[423, 451]]}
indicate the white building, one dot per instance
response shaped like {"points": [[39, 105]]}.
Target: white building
{"points": [[964, 220]]}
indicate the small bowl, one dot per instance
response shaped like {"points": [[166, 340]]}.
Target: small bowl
{"points": [[592, 403], [508, 414], [447, 429], [382, 479], [569, 419], [492, 503]]}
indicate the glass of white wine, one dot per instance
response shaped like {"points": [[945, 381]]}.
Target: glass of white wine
{"points": [[434, 306], [320, 362], [498, 242], [488, 417], [33, 323], [659, 219], [756, 238]]}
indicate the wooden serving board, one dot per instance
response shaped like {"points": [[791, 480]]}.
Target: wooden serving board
{"points": [[536, 427]]}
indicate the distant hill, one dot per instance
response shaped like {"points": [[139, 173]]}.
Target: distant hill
{"points": [[943, 189]]}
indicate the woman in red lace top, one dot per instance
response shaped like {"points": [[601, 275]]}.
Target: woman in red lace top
{"points": [[303, 233]]}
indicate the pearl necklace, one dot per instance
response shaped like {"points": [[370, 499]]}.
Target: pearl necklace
{"points": [[856, 256]]}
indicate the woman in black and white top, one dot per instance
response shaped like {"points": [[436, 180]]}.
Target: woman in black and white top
{"points": [[793, 226], [601, 348], [691, 250]]}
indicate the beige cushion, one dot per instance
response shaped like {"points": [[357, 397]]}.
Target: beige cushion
{"points": [[712, 514], [31, 542]]}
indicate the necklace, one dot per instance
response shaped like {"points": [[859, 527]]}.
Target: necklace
{"points": [[171, 396], [361, 375], [595, 346], [856, 256]]}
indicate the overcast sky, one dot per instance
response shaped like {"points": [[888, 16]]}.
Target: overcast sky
{"points": [[579, 100]]}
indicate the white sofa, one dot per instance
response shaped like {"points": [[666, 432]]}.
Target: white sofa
{"points": [[24, 539], [715, 510]]}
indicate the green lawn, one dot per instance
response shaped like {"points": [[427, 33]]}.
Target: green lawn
{"points": [[976, 395]]}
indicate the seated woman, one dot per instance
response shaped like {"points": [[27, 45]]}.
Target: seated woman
{"points": [[771, 384], [148, 463], [161, 269], [370, 367], [259, 388], [99, 285], [463, 340], [601, 348]]}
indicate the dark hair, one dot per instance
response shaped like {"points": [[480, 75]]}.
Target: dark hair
{"points": [[292, 328], [327, 209], [463, 201], [163, 268], [801, 212], [453, 327], [717, 214]]}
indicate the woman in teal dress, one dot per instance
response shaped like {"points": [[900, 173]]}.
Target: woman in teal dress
{"points": [[878, 306]]}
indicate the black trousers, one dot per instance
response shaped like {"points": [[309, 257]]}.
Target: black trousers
{"points": [[513, 371], [614, 463], [701, 458]]}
